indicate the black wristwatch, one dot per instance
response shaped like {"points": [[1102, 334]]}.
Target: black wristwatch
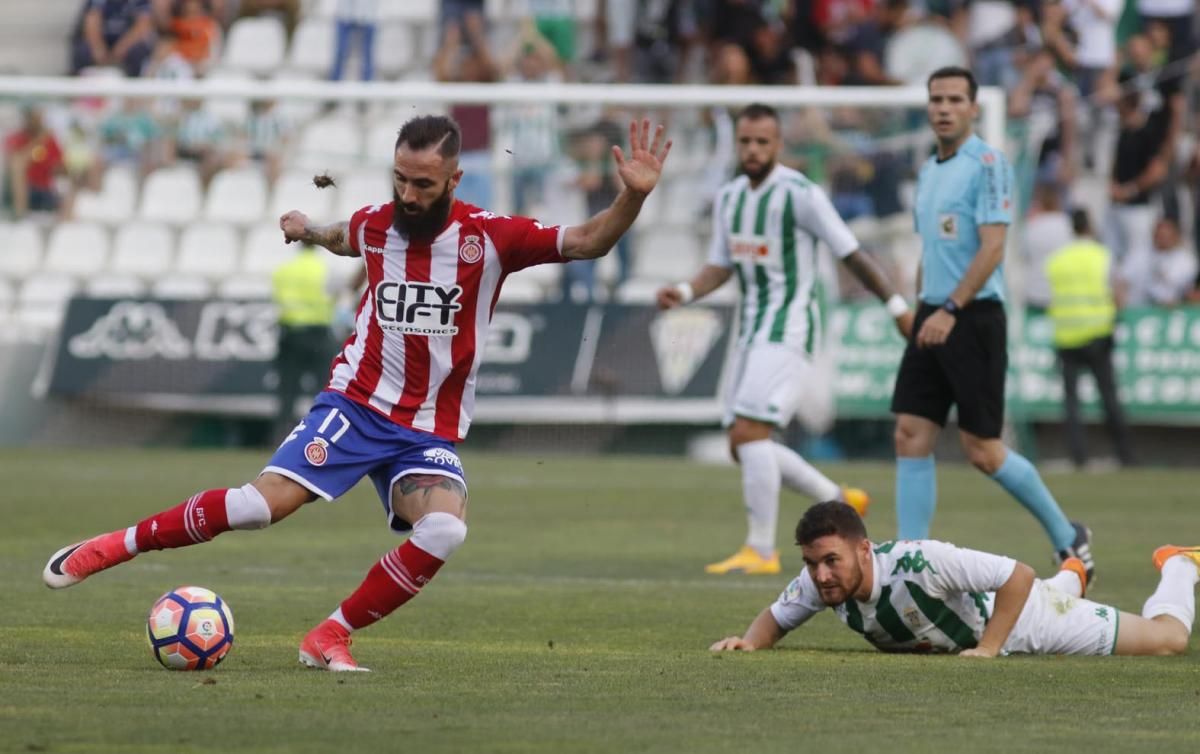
{"points": [[951, 307]]}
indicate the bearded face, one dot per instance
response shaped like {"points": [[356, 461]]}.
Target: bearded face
{"points": [[416, 221]]}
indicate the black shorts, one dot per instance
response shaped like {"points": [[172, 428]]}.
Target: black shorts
{"points": [[967, 371]]}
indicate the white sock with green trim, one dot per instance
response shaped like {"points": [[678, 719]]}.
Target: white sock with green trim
{"points": [[760, 491], [801, 476], [1176, 592]]}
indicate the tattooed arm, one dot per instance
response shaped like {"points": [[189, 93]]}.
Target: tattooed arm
{"points": [[335, 237]]}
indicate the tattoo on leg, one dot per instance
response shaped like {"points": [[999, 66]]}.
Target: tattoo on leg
{"points": [[426, 483]]}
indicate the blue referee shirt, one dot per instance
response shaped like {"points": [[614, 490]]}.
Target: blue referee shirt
{"points": [[954, 197]]}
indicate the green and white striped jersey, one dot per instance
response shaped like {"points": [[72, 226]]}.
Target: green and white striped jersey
{"points": [[928, 596], [769, 236]]}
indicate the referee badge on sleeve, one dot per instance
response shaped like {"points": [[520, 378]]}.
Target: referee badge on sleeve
{"points": [[948, 227]]}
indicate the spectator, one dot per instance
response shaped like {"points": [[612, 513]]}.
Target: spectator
{"points": [[81, 158], [287, 11], [265, 137], [167, 63], [34, 160], [1047, 100], [751, 43], [868, 41], [1177, 17], [1139, 167], [198, 32], [620, 22], [355, 19], [664, 38], [995, 32], [201, 139], [300, 288], [1173, 275], [600, 184], [113, 33], [555, 22], [131, 135], [1046, 230], [1083, 311], [529, 132], [464, 55], [1163, 97]]}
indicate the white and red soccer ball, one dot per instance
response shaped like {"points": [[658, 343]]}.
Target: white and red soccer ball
{"points": [[190, 628]]}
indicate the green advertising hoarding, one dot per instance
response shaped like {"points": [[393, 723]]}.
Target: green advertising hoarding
{"points": [[1157, 359]]}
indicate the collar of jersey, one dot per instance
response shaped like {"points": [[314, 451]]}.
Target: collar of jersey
{"points": [[766, 181]]}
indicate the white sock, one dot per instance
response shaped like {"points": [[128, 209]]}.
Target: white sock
{"points": [[246, 508], [1176, 592], [799, 475], [760, 491], [339, 618], [1066, 582]]}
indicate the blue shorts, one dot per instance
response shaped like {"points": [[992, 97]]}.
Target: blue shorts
{"points": [[340, 442]]}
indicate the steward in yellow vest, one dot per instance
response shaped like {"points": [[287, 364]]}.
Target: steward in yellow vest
{"points": [[299, 288], [1083, 312]]}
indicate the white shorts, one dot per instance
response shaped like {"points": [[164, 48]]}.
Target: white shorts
{"points": [[766, 384], [1055, 623]]}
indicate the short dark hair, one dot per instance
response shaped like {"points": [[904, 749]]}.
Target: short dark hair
{"points": [[955, 72], [425, 131], [757, 110], [830, 518], [1080, 222]]}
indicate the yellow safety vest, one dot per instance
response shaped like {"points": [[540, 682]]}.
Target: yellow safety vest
{"points": [[1081, 302], [298, 287]]}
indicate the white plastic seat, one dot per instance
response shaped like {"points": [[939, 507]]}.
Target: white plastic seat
{"points": [[637, 291], [77, 248], [143, 249], [395, 48], [20, 249], [415, 11], [520, 290], [659, 253], [265, 250], [255, 44], [295, 190], [180, 287], [330, 143], [112, 285], [360, 189], [293, 109], [208, 251], [238, 195], [232, 111], [114, 202], [171, 195], [253, 288], [312, 47], [42, 300], [8, 294]]}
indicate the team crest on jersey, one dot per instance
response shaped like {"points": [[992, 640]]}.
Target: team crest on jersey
{"points": [[316, 452], [948, 227], [471, 250]]}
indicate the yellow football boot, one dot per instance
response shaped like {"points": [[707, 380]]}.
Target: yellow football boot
{"points": [[748, 561]]}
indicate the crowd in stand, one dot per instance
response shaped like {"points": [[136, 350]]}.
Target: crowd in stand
{"points": [[1102, 100]]}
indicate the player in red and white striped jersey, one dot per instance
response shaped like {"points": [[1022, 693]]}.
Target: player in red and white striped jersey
{"points": [[402, 390]]}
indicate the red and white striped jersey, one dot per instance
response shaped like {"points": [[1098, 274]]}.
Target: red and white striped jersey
{"points": [[423, 320]]}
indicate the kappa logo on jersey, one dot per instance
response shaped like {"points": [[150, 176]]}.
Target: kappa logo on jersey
{"points": [[948, 227], [417, 308], [443, 457], [471, 251], [913, 562], [317, 452]]}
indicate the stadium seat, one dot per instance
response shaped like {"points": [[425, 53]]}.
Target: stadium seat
{"points": [[330, 144], [8, 294], [181, 287], [325, 9], [312, 47], [291, 109], [416, 11], [208, 251], [171, 195], [395, 49], [522, 290], [664, 254], [22, 250], [252, 288], [237, 195], [232, 111], [42, 299], [111, 285], [77, 248], [143, 249], [381, 138], [255, 44], [265, 250], [361, 188], [114, 202], [682, 206], [637, 291], [295, 190]]}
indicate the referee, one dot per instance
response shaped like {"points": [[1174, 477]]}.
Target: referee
{"points": [[958, 353]]}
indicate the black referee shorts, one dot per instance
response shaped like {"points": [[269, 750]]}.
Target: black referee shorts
{"points": [[967, 371]]}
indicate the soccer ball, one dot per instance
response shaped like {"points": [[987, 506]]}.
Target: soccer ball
{"points": [[190, 628]]}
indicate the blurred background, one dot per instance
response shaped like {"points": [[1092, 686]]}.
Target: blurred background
{"points": [[140, 254]]}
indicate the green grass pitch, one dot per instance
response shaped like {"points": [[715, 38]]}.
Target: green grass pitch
{"points": [[575, 619]]}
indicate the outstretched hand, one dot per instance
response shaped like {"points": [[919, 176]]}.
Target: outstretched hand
{"points": [[732, 644], [641, 169]]}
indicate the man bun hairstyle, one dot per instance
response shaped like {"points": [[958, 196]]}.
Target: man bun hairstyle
{"points": [[830, 518], [425, 131]]}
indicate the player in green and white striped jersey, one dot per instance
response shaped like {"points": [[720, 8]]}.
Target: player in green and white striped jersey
{"points": [[767, 224], [927, 596]]}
